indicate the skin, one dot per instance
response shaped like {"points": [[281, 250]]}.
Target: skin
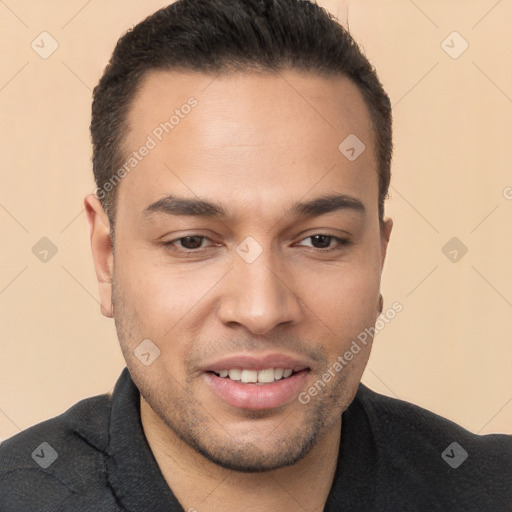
{"points": [[255, 144]]}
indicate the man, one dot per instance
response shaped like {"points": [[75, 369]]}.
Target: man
{"points": [[242, 157]]}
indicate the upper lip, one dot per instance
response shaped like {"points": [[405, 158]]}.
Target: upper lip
{"points": [[257, 362]]}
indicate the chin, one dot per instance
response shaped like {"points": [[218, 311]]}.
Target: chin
{"points": [[250, 458]]}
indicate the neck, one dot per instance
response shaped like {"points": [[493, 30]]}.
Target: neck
{"points": [[200, 484]]}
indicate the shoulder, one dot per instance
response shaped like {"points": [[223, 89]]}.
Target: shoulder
{"points": [[56, 459], [434, 455], [409, 421]]}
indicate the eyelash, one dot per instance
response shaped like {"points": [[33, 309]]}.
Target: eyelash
{"points": [[341, 242]]}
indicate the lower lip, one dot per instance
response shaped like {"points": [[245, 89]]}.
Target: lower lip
{"points": [[256, 396]]}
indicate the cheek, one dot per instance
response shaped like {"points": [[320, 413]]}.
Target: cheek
{"points": [[151, 286], [345, 298], [160, 300]]}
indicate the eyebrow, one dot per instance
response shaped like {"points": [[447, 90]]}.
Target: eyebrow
{"points": [[173, 205]]}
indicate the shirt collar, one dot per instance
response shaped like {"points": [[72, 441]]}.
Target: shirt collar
{"points": [[354, 482], [132, 469]]}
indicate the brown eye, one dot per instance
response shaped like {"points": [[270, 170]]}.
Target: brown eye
{"points": [[191, 242], [324, 242], [321, 241]]}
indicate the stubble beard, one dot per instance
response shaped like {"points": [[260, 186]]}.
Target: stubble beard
{"points": [[190, 421]]}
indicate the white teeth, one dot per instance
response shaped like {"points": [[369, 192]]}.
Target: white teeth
{"points": [[266, 376], [235, 374], [249, 376]]}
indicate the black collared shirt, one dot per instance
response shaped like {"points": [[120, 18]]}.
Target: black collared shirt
{"points": [[394, 456]]}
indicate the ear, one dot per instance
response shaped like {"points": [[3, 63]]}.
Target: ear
{"points": [[101, 246], [385, 233]]}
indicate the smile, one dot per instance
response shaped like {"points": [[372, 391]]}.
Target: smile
{"points": [[243, 389], [249, 376]]}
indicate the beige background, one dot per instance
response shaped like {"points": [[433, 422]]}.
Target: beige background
{"points": [[450, 348]]}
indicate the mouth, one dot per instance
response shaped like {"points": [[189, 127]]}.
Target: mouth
{"points": [[256, 383], [248, 376]]}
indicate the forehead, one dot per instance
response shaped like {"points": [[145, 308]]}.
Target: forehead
{"points": [[256, 135]]}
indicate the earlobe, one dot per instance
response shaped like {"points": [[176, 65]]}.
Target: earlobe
{"points": [[102, 253]]}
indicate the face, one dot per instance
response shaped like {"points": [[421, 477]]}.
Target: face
{"points": [[247, 244]]}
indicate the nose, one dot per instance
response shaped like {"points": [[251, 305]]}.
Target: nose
{"points": [[259, 296]]}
